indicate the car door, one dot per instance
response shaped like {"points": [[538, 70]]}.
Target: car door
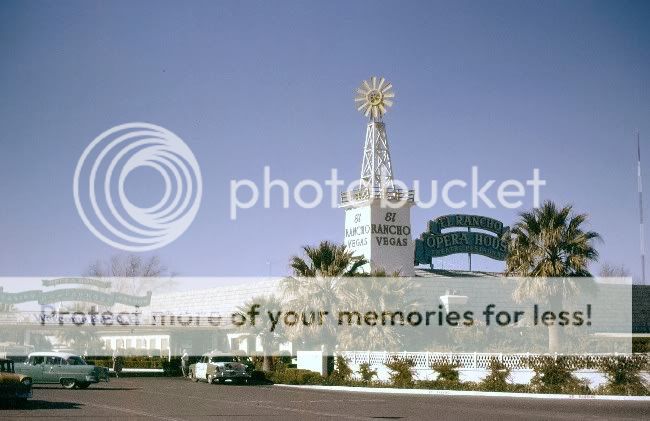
{"points": [[34, 368], [52, 369], [201, 368]]}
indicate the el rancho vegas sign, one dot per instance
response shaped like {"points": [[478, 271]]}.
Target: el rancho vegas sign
{"points": [[435, 243]]}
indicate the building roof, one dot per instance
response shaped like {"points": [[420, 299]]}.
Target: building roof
{"points": [[53, 354]]}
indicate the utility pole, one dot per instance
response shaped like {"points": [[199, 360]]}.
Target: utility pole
{"points": [[642, 243]]}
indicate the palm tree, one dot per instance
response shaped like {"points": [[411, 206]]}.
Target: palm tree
{"points": [[550, 245], [80, 339], [327, 260], [262, 329], [375, 294], [319, 285]]}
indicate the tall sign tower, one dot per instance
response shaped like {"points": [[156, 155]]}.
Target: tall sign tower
{"points": [[378, 214]]}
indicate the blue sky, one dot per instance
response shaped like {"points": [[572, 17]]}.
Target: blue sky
{"points": [[506, 86]]}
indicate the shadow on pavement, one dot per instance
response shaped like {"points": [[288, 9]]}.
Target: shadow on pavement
{"points": [[90, 389], [32, 404]]}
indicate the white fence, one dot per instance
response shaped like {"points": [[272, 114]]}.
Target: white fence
{"points": [[473, 366], [466, 360]]}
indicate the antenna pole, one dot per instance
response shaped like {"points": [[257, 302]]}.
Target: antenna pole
{"points": [[642, 243]]}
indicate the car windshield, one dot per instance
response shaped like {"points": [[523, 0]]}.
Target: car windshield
{"points": [[223, 359], [6, 367], [75, 361]]}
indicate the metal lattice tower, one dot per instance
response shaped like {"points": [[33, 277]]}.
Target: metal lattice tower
{"points": [[376, 169], [376, 182], [375, 97]]}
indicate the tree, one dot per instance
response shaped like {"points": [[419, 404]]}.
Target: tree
{"points": [[375, 294], [551, 246], [327, 260], [83, 340], [270, 336], [608, 270], [319, 285], [132, 273]]}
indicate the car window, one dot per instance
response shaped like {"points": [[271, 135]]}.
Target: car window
{"points": [[223, 359], [53, 360], [5, 367], [75, 361], [36, 360]]}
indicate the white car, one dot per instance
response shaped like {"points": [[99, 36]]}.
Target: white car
{"points": [[218, 367]]}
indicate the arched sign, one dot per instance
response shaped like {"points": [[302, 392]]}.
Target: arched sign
{"points": [[74, 294], [435, 243]]}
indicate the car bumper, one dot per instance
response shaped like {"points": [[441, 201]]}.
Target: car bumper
{"points": [[233, 375]]}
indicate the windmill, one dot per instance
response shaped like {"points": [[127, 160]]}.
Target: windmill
{"points": [[376, 168], [378, 216]]}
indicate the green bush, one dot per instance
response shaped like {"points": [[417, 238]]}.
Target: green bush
{"points": [[447, 371], [342, 372], [129, 361], [640, 345], [366, 373], [497, 378], [555, 374], [623, 375], [401, 372], [296, 376]]}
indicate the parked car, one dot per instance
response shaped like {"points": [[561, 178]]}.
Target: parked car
{"points": [[218, 367], [13, 387], [68, 370]]}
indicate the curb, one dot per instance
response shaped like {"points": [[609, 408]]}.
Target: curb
{"points": [[429, 392]]}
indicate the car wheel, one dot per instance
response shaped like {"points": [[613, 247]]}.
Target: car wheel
{"points": [[83, 385], [68, 383]]}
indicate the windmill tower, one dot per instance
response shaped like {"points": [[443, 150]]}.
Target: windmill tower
{"points": [[378, 214]]}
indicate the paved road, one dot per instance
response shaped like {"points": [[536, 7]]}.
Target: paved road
{"points": [[177, 399]]}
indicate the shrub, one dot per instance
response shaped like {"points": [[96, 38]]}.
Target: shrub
{"points": [[342, 372], [447, 371], [448, 377], [555, 374], [401, 372], [623, 374], [366, 372], [296, 376], [497, 378]]}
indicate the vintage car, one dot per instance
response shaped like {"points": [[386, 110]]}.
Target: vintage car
{"points": [[13, 387], [218, 367], [68, 370]]}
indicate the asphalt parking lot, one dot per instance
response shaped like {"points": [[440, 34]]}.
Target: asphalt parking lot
{"points": [[179, 399]]}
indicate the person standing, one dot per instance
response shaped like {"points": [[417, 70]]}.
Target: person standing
{"points": [[117, 362], [184, 362]]}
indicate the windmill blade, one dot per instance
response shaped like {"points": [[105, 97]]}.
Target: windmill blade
{"points": [[381, 91]]}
